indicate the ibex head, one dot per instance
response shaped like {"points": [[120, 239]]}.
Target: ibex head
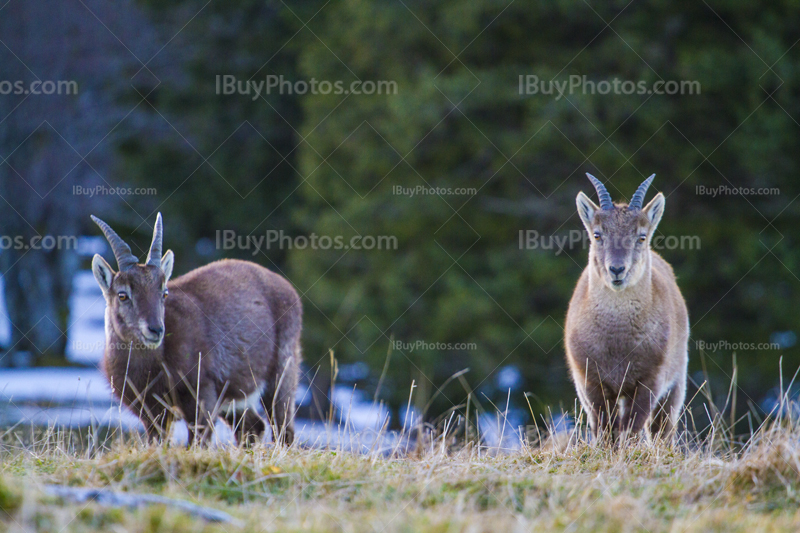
{"points": [[135, 295], [620, 234]]}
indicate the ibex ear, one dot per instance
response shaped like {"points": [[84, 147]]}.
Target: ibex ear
{"points": [[102, 273], [586, 210], [654, 210], [166, 264]]}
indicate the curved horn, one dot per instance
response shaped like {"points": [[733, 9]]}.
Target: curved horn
{"points": [[638, 197], [122, 252], [602, 194], [154, 255]]}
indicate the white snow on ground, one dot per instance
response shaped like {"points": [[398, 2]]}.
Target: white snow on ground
{"points": [[67, 385], [79, 416], [70, 386], [501, 431], [81, 397], [356, 410]]}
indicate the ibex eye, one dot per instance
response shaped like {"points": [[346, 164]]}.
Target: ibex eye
{"points": [[166, 293], [122, 297], [597, 235], [642, 238]]}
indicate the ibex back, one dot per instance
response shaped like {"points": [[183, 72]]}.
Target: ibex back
{"points": [[219, 340], [627, 327]]}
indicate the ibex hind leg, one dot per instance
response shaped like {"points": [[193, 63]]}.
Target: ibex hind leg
{"points": [[247, 426], [279, 395], [157, 431]]}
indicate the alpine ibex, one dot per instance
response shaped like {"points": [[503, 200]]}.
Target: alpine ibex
{"points": [[219, 339], [627, 331]]}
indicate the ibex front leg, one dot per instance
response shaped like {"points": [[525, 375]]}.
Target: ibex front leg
{"points": [[637, 411], [279, 396], [198, 413], [603, 412]]}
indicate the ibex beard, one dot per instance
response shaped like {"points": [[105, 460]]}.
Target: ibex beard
{"points": [[215, 342], [627, 329]]}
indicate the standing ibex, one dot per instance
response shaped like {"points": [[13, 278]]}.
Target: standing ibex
{"points": [[219, 339], [627, 330]]}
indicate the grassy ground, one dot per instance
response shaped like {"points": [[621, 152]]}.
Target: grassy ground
{"points": [[576, 486]]}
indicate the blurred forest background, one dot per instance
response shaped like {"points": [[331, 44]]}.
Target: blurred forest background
{"points": [[147, 114]]}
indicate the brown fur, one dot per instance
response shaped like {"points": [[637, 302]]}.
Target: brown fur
{"points": [[627, 342], [231, 330]]}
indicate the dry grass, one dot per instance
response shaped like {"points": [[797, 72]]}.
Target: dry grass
{"points": [[571, 485], [709, 481]]}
